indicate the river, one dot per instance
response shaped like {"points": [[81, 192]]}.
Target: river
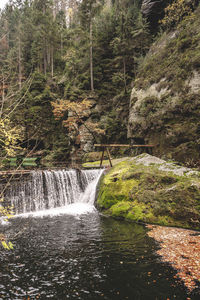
{"points": [[73, 252]]}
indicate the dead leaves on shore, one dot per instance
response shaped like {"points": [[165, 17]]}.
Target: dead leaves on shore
{"points": [[181, 248]]}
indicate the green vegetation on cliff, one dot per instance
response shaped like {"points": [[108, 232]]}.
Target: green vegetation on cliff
{"points": [[175, 56], [148, 189], [165, 102]]}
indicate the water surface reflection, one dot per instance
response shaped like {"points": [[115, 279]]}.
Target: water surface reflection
{"points": [[84, 257]]}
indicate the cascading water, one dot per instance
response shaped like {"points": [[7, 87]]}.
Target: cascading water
{"points": [[47, 190]]}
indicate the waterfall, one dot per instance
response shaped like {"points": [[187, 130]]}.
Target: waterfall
{"points": [[46, 190]]}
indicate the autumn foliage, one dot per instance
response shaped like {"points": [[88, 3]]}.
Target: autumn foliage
{"points": [[9, 136], [77, 113], [176, 11]]}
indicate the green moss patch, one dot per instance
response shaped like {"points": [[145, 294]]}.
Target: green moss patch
{"points": [[106, 163]]}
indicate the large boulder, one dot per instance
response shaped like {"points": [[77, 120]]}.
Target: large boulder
{"points": [[148, 189]]}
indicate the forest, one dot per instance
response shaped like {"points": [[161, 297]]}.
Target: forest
{"points": [[65, 67], [68, 68]]}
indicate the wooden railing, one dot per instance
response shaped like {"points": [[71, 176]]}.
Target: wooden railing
{"points": [[107, 146]]}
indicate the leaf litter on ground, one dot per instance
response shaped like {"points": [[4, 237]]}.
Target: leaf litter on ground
{"points": [[180, 248]]}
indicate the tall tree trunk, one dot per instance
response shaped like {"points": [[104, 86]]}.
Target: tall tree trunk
{"points": [[61, 43], [124, 74], [52, 66], [64, 9], [55, 8], [91, 57], [45, 60], [20, 64], [45, 57], [108, 3], [63, 5], [3, 94], [48, 55]]}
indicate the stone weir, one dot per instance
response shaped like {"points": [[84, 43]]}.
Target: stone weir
{"points": [[29, 191]]}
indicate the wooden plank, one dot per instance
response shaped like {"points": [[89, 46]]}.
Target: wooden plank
{"points": [[109, 156], [14, 172], [111, 145], [121, 145]]}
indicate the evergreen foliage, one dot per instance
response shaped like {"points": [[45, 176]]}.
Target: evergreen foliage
{"points": [[65, 49]]}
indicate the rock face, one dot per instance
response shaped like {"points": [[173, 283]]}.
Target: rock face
{"points": [[148, 189], [165, 100], [153, 11], [105, 122], [169, 122]]}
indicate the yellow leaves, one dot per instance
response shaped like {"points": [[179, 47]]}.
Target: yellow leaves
{"points": [[78, 109], [176, 11], [6, 212], [77, 116], [9, 136], [70, 12], [8, 246], [4, 244]]}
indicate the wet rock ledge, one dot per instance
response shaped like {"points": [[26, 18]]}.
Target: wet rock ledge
{"points": [[151, 190]]}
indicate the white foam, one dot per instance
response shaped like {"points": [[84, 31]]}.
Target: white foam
{"points": [[74, 209]]}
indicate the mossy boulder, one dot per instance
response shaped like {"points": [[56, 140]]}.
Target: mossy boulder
{"points": [[148, 189]]}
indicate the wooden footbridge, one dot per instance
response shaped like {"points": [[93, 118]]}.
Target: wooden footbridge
{"points": [[105, 147]]}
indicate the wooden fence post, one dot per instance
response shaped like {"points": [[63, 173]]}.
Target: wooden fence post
{"points": [[102, 157], [109, 156]]}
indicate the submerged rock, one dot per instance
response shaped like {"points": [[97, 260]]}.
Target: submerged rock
{"points": [[148, 189]]}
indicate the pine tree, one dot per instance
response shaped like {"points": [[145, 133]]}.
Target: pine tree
{"points": [[89, 9]]}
